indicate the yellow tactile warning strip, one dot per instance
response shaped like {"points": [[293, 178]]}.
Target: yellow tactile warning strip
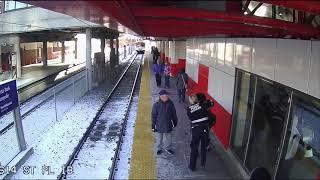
{"points": [[142, 159]]}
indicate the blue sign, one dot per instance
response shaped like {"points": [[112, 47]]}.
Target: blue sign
{"points": [[8, 97]]}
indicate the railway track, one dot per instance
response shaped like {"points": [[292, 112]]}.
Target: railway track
{"points": [[96, 154]]}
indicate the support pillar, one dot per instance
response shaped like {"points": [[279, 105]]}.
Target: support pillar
{"points": [[0, 61], [88, 59], [117, 51], [63, 51], [102, 47], [112, 54], [18, 57], [44, 53], [75, 48]]}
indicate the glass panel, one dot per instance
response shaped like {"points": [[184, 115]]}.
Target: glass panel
{"points": [[80, 88], [64, 98], [270, 112], [242, 112], [301, 153]]}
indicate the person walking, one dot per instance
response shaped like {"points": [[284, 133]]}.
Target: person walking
{"points": [[199, 128], [158, 71], [182, 82], [207, 104], [155, 54], [167, 71], [164, 119]]}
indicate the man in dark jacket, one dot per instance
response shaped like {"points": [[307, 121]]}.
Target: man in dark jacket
{"points": [[182, 82], [164, 119]]}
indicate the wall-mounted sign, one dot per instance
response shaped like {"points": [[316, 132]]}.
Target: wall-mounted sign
{"points": [[8, 97]]}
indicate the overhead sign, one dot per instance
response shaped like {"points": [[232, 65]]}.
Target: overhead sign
{"points": [[8, 97]]}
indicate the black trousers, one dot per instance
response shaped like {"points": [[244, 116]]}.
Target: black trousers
{"points": [[199, 135], [158, 79]]}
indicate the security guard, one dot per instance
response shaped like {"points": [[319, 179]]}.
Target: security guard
{"points": [[199, 123]]}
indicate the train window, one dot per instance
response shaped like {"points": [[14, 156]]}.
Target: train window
{"points": [[242, 113], [301, 153], [268, 122]]}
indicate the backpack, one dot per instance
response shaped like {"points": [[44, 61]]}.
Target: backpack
{"points": [[211, 119]]}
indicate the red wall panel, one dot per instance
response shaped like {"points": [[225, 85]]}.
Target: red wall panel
{"points": [[181, 64]]}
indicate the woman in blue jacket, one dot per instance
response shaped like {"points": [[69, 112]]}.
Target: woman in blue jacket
{"points": [[158, 71]]}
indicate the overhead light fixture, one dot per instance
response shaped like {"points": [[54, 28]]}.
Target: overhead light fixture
{"points": [[245, 12], [280, 14]]}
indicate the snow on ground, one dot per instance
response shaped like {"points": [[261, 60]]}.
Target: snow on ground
{"points": [[53, 145], [94, 159], [6, 120], [8, 147], [58, 142], [123, 165]]}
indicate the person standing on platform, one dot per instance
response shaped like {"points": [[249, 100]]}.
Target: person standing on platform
{"points": [[167, 71], [158, 71], [164, 119], [207, 104], [182, 82], [199, 127]]}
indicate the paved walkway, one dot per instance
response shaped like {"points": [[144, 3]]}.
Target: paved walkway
{"points": [[168, 166], [176, 167]]}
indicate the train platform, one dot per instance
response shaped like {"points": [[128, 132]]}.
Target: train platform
{"points": [[146, 164], [36, 72]]}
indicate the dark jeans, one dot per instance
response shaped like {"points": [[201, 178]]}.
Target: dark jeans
{"points": [[181, 94], [158, 79], [167, 81], [199, 134]]}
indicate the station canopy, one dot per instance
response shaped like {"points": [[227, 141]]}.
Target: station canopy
{"points": [[180, 19]]}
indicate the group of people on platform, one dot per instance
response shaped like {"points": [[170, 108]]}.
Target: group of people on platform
{"points": [[163, 69], [164, 116]]}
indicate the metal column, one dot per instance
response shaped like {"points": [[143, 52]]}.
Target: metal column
{"points": [[75, 48], [63, 51], [102, 47], [18, 56], [112, 53], [19, 129], [88, 59], [117, 51], [45, 53]]}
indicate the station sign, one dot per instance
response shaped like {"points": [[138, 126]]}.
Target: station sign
{"points": [[8, 97]]}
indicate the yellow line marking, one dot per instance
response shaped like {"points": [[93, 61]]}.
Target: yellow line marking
{"points": [[143, 164]]}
